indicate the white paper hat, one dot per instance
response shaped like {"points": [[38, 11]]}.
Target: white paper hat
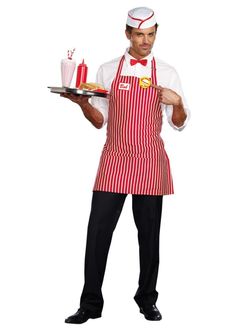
{"points": [[141, 18]]}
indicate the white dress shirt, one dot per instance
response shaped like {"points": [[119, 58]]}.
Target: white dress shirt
{"points": [[166, 77]]}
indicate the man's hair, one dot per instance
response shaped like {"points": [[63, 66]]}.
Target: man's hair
{"points": [[130, 28]]}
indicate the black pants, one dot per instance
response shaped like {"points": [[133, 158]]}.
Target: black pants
{"points": [[105, 211]]}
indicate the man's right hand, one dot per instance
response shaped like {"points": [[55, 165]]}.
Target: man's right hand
{"points": [[81, 100]]}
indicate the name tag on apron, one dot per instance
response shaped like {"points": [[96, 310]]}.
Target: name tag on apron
{"points": [[124, 86]]}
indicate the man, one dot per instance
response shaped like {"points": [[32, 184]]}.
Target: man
{"points": [[133, 160]]}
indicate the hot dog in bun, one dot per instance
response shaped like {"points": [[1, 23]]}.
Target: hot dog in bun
{"points": [[92, 87]]}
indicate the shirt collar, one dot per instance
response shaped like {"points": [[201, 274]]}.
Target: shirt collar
{"points": [[128, 57]]}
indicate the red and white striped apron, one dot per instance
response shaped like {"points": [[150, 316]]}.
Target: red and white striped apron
{"points": [[133, 160]]}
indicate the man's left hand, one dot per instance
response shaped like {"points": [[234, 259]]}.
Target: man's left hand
{"points": [[168, 96]]}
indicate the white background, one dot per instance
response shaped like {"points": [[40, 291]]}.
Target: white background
{"points": [[49, 157]]}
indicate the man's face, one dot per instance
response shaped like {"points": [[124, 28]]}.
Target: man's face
{"points": [[141, 41]]}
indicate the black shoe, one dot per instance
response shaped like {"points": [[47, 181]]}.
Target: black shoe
{"points": [[151, 313], [81, 316]]}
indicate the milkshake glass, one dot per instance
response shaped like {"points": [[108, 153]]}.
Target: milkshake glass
{"points": [[67, 69]]}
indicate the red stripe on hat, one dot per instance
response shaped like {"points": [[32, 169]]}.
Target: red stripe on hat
{"points": [[142, 21]]}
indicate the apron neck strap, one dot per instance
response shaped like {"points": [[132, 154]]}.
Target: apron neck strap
{"points": [[120, 66]]}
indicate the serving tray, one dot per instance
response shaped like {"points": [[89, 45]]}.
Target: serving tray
{"points": [[77, 91]]}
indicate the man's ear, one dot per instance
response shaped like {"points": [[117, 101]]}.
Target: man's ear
{"points": [[128, 34]]}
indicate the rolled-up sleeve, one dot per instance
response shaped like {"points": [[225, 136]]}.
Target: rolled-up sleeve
{"points": [[101, 103], [175, 85]]}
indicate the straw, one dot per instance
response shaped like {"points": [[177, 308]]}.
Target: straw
{"points": [[70, 53]]}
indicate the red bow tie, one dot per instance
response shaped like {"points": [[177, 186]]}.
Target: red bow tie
{"points": [[133, 62]]}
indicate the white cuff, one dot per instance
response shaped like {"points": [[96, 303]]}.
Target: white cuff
{"points": [[169, 112]]}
